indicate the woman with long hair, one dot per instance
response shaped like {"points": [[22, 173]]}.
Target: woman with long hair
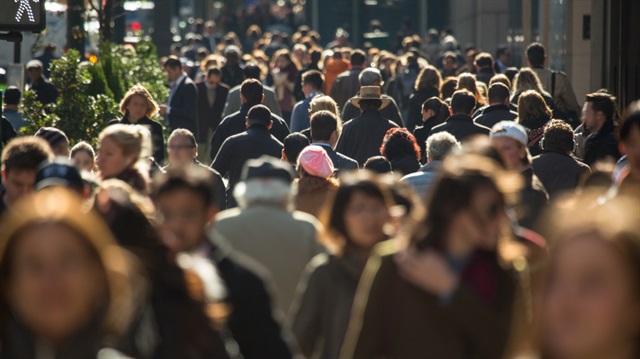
{"points": [[66, 286], [468, 82], [534, 114], [354, 222], [434, 112], [590, 299], [138, 107], [427, 86], [123, 154], [400, 148], [526, 79], [448, 290], [284, 70]]}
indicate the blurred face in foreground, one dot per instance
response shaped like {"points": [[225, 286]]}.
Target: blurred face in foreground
{"points": [[631, 147], [182, 217], [55, 281], [181, 151], [511, 152], [481, 223], [591, 308], [111, 159], [17, 183], [83, 161], [364, 218]]}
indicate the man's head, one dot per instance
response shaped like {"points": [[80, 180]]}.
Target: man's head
{"points": [[20, 159], [324, 127], [499, 94], [251, 91], [11, 97], [358, 58], [259, 115], [312, 81], [483, 60], [449, 61], [251, 71], [186, 204], [500, 78], [294, 143], [57, 140], [370, 77], [232, 53], [61, 172], [536, 55], [503, 54], [267, 181], [182, 147], [213, 77], [510, 140], [34, 69], [439, 145], [173, 67], [630, 138], [463, 102], [558, 137], [599, 108], [378, 164]]}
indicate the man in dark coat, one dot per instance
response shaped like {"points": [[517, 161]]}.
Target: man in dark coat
{"points": [[183, 150], [253, 143], [484, 66], [361, 137], [189, 192], [46, 92], [461, 125], [251, 93], [498, 109], [212, 95], [232, 74], [181, 108], [372, 77], [598, 114], [347, 84], [324, 133], [556, 168]]}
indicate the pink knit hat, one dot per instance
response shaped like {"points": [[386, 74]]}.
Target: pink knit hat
{"points": [[315, 161]]}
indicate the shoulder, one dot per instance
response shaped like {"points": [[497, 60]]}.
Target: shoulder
{"points": [[306, 220], [223, 87], [277, 119]]}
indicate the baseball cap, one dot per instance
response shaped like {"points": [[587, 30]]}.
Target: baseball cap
{"points": [[34, 64], [510, 129], [61, 172]]}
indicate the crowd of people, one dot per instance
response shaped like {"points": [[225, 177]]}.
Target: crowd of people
{"points": [[330, 202]]}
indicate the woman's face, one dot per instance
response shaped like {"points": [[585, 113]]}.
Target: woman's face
{"points": [[55, 284], [511, 152], [83, 161], [137, 107], [111, 159], [364, 219], [482, 222], [590, 310]]}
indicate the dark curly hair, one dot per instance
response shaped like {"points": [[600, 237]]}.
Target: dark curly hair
{"points": [[399, 142], [558, 137]]}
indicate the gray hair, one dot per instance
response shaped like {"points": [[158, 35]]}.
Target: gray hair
{"points": [[441, 144], [265, 191], [370, 76]]}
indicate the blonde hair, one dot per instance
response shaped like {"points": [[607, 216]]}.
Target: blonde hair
{"points": [[325, 103], [152, 106], [531, 106], [429, 77], [133, 140], [468, 82], [526, 79]]}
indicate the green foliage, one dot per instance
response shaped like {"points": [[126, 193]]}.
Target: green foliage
{"points": [[34, 113], [90, 93], [98, 85]]}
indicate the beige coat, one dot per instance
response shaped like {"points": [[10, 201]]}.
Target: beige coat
{"points": [[282, 241], [563, 96]]}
